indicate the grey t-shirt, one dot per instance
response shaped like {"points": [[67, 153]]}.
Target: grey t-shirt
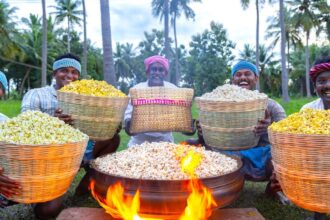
{"points": [[277, 113]]}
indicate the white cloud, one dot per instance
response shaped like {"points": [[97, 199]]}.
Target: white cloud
{"points": [[131, 18]]}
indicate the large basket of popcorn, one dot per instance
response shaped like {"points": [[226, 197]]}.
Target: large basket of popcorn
{"points": [[161, 109], [301, 158], [42, 153], [96, 107], [228, 116]]}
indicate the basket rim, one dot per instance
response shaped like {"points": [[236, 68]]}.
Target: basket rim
{"points": [[162, 87], [84, 95], [199, 98], [8, 144], [227, 129], [270, 131]]}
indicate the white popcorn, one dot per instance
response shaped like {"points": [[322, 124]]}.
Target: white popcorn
{"points": [[234, 93], [35, 127], [158, 161]]}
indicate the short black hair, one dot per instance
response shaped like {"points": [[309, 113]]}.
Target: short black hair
{"points": [[325, 59], [68, 55]]}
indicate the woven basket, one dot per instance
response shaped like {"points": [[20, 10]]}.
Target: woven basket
{"points": [[159, 109], [302, 165], [45, 172], [98, 117], [229, 125]]}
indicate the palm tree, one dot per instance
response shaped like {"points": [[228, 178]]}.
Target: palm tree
{"points": [[108, 63], [305, 18], [284, 75], [245, 4], [161, 8], [84, 71], [32, 38], [68, 10], [123, 60], [324, 17], [292, 34], [9, 46], [177, 7], [153, 43], [248, 53], [44, 46], [266, 59]]}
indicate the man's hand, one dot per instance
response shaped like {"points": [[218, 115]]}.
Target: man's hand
{"points": [[8, 187], [262, 126], [64, 117]]}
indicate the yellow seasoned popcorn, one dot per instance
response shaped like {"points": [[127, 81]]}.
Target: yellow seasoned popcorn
{"points": [[308, 121], [35, 127], [93, 88]]}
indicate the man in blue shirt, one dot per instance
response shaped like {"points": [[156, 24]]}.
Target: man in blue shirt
{"points": [[66, 69]]}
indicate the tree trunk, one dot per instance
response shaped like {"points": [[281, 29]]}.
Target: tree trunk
{"points": [[23, 81], [302, 87], [177, 72], [257, 43], [288, 60], [108, 64], [284, 75], [44, 46], [166, 33], [308, 88], [84, 63], [68, 37]]}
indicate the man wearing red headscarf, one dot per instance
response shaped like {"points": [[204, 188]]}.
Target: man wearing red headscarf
{"points": [[156, 67], [320, 76]]}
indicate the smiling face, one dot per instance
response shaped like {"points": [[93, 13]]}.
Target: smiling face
{"points": [[65, 75], [156, 74], [322, 87], [245, 78]]}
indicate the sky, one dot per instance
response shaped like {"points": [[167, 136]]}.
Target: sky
{"points": [[131, 18]]}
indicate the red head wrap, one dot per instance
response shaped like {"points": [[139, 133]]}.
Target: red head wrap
{"points": [[317, 69], [156, 59]]}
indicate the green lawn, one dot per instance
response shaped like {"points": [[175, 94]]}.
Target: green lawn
{"points": [[10, 108], [251, 196], [295, 104]]}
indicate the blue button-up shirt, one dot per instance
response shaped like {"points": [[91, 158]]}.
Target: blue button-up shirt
{"points": [[42, 99]]}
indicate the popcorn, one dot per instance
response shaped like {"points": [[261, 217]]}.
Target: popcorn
{"points": [[308, 121], [159, 161], [233, 93], [35, 127], [92, 88]]}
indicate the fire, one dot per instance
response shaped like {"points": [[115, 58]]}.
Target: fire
{"points": [[199, 203], [118, 205]]}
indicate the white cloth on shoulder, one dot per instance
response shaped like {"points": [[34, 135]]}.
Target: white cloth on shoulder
{"points": [[316, 104]]}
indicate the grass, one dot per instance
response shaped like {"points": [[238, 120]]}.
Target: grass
{"points": [[294, 105], [251, 196], [10, 108]]}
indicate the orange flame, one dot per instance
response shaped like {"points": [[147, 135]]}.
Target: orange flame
{"points": [[199, 203], [118, 205]]}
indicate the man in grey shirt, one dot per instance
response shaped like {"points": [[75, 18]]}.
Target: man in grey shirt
{"points": [[257, 160]]}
